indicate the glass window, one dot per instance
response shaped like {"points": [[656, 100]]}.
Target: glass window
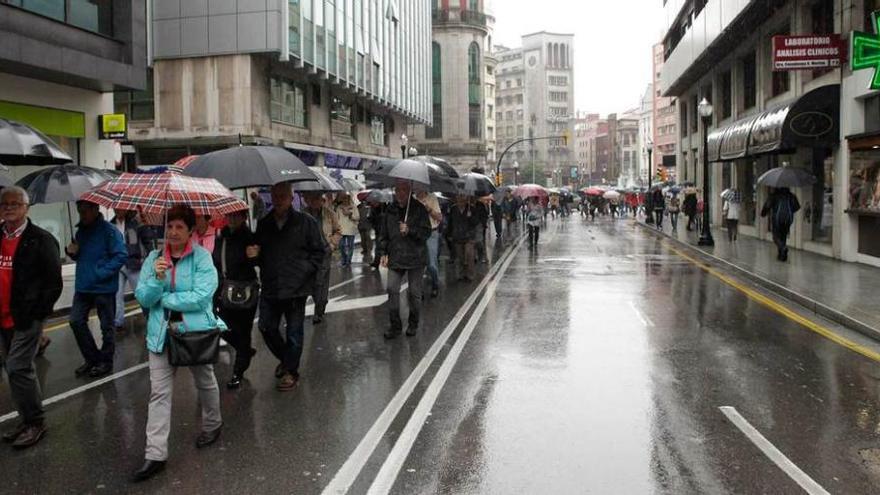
{"points": [[93, 15], [749, 80], [822, 14], [288, 102], [474, 74], [726, 95], [435, 130], [377, 131], [136, 105]]}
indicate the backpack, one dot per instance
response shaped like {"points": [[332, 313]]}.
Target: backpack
{"points": [[783, 213]]}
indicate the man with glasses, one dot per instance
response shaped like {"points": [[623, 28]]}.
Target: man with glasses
{"points": [[30, 283]]}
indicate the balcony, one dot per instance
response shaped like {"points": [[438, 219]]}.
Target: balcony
{"points": [[457, 16]]}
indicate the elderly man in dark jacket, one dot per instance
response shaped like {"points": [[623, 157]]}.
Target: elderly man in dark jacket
{"points": [[462, 227], [402, 248], [291, 249], [30, 283]]}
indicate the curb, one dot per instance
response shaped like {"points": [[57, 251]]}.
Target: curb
{"points": [[810, 304]]}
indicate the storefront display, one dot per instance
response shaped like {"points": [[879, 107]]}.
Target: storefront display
{"points": [[864, 193]]}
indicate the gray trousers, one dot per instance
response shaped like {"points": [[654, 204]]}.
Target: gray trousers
{"points": [[322, 285], [161, 391], [414, 295], [19, 348]]}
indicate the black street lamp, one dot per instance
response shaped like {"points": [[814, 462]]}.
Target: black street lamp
{"points": [[705, 109]]}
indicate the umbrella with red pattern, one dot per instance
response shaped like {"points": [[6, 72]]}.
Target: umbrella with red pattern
{"points": [[531, 191], [153, 194]]}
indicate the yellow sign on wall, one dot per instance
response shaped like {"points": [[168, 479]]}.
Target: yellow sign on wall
{"points": [[112, 126]]}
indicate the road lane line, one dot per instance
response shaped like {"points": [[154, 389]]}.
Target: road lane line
{"points": [[384, 481], [774, 454], [84, 388], [356, 461], [782, 310], [343, 284], [641, 316]]}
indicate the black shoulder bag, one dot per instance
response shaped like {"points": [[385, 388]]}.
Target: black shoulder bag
{"points": [[235, 294], [191, 348]]}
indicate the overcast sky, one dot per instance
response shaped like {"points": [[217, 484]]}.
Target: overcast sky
{"points": [[613, 39]]}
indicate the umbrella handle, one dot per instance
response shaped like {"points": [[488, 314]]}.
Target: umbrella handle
{"points": [[408, 200]]}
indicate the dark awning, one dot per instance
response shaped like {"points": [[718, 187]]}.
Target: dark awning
{"points": [[811, 121]]}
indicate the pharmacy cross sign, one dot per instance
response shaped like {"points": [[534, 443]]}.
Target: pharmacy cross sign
{"points": [[865, 50]]}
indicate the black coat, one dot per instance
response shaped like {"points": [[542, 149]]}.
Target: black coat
{"points": [[409, 252], [289, 257], [239, 267], [689, 205], [462, 225], [36, 276]]}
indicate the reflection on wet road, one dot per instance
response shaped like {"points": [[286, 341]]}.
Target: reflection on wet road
{"points": [[598, 363]]}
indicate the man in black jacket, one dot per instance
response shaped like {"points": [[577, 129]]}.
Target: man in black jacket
{"points": [[462, 229], [291, 249], [402, 248], [30, 283]]}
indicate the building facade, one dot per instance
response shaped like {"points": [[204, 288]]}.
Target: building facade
{"points": [[821, 119], [461, 59], [628, 149], [59, 66], [646, 135], [665, 123], [335, 82], [535, 100]]}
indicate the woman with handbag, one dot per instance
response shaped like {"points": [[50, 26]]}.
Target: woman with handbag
{"points": [[239, 291], [178, 286]]}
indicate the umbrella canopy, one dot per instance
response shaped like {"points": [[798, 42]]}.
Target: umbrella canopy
{"points": [[592, 191], [351, 185], [474, 184], [21, 144], [6, 181], [530, 191], [434, 177], [439, 163], [786, 177], [62, 183], [324, 183], [611, 195], [154, 194], [377, 196], [250, 166], [732, 195]]}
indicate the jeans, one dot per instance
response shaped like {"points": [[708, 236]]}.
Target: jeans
{"points": [[125, 276], [673, 218], [321, 293], [414, 296], [534, 234], [240, 323], [288, 352], [780, 238], [366, 244], [79, 322], [161, 393], [19, 348], [433, 258], [346, 249]]}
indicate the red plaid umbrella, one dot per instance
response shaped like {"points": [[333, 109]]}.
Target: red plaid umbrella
{"points": [[154, 194]]}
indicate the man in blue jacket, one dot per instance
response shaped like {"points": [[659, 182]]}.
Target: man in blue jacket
{"points": [[100, 253]]}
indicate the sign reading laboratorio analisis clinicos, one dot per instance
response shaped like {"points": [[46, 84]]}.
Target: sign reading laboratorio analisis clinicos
{"points": [[808, 52]]}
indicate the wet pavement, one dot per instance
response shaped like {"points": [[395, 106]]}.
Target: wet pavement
{"points": [[594, 364]]}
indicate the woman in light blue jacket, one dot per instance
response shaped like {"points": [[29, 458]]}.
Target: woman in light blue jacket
{"points": [[177, 285]]}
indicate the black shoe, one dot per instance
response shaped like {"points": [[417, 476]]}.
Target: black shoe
{"points": [[206, 438], [234, 382], [148, 470], [83, 370], [280, 371], [412, 329], [391, 334], [12, 435], [30, 436], [317, 320], [100, 370]]}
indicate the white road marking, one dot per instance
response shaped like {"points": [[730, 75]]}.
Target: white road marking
{"points": [[384, 480], [641, 316], [774, 454], [343, 284], [79, 390], [352, 467]]}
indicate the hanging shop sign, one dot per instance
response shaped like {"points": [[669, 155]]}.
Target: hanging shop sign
{"points": [[865, 50], [807, 52], [112, 126]]}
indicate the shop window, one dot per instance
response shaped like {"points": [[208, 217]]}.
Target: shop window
{"points": [[136, 105], [819, 208], [872, 114], [288, 102], [865, 181]]}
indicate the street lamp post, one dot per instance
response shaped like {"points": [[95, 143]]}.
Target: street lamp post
{"points": [[705, 109], [404, 141], [649, 214]]}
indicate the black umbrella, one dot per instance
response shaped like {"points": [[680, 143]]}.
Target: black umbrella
{"points": [[62, 183], [786, 177], [6, 181], [250, 166], [21, 144], [474, 184], [325, 183], [440, 163], [434, 177]]}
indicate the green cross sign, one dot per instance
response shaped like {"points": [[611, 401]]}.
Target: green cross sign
{"points": [[865, 50]]}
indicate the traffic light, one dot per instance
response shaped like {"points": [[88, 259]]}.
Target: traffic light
{"points": [[498, 180]]}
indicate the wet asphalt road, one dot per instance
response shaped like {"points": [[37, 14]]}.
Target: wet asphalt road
{"points": [[595, 364]]}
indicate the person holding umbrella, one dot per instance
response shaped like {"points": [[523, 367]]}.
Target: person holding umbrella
{"points": [[674, 207], [291, 250], [332, 233], [30, 284], [348, 218], [461, 229], [534, 217], [138, 241], [689, 206], [432, 204], [658, 203], [781, 207], [730, 211], [100, 254], [402, 248]]}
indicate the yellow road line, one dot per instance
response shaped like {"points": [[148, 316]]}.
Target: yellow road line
{"points": [[65, 324], [782, 310]]}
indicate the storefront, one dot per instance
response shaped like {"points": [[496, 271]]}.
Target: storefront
{"points": [[800, 133], [864, 192]]}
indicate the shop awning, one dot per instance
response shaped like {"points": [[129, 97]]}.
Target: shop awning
{"points": [[811, 121]]}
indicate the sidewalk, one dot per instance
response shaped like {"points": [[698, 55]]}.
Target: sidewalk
{"points": [[840, 291]]}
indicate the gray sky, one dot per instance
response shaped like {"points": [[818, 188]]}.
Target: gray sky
{"points": [[613, 42]]}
